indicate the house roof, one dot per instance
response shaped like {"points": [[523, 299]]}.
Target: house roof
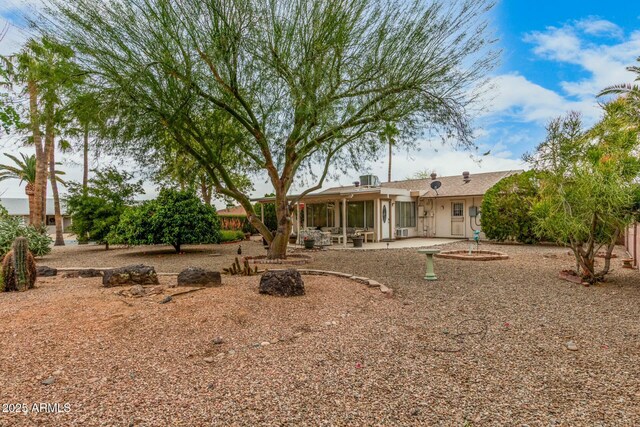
{"points": [[19, 206], [232, 211], [453, 186]]}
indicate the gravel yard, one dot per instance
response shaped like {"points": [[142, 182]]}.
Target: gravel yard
{"points": [[486, 344]]}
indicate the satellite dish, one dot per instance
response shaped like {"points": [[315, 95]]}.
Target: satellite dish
{"points": [[435, 185]]}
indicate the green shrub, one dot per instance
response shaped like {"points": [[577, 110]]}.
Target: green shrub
{"points": [[174, 218], [507, 208], [231, 235], [12, 228]]}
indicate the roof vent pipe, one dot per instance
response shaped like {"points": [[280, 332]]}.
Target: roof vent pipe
{"points": [[465, 176], [434, 175]]}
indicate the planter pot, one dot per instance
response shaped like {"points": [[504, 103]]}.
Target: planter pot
{"points": [[247, 236], [357, 241], [309, 243], [293, 239]]}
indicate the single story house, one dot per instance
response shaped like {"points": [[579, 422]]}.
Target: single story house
{"points": [[232, 211], [19, 207], [447, 206]]}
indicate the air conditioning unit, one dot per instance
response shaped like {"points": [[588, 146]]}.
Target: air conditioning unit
{"points": [[402, 232], [369, 181]]}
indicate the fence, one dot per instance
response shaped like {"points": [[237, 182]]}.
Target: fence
{"points": [[632, 243]]}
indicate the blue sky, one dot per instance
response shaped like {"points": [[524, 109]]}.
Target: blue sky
{"points": [[556, 56]]}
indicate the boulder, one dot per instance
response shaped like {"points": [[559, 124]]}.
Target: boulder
{"points": [[285, 283], [130, 275], [44, 271], [194, 276]]}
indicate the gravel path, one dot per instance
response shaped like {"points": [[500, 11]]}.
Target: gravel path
{"points": [[486, 344]]}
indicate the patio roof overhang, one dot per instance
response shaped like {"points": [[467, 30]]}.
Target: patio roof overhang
{"points": [[347, 193]]}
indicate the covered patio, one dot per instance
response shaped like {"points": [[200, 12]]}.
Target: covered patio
{"points": [[336, 215]]}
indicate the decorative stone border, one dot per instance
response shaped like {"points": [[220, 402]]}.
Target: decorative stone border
{"points": [[262, 259], [363, 280], [464, 255]]}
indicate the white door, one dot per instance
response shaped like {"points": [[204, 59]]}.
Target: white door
{"points": [[385, 218], [457, 219]]}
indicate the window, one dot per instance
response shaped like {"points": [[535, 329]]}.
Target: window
{"points": [[457, 209], [405, 214], [359, 214], [320, 215]]}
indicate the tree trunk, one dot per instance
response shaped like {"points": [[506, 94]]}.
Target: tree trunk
{"points": [[278, 246], [29, 191], [390, 154], [50, 141], [85, 165], [176, 246], [205, 190], [36, 215]]}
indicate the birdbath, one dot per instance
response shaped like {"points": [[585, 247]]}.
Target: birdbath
{"points": [[429, 275]]}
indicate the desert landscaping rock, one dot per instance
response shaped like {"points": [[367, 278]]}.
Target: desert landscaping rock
{"points": [[218, 340], [137, 290], [195, 276], [572, 346], [49, 381], [44, 271], [286, 283], [130, 275]]}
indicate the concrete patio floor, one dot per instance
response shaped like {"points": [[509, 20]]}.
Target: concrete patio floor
{"points": [[416, 242]]}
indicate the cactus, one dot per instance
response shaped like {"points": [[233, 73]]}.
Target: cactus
{"points": [[19, 267], [243, 270]]}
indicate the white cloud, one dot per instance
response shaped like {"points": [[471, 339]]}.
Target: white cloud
{"points": [[605, 63], [526, 101], [599, 27]]}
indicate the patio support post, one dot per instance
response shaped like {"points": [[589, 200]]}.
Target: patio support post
{"points": [[262, 212], [298, 222], [376, 219], [344, 222]]}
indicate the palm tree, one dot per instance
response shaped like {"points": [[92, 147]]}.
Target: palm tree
{"points": [[388, 135], [632, 91], [25, 171]]}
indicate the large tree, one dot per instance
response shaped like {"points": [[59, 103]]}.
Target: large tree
{"points": [[285, 85], [45, 71], [589, 193]]}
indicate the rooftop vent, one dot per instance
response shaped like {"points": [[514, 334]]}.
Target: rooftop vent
{"points": [[369, 181], [465, 176], [434, 175]]}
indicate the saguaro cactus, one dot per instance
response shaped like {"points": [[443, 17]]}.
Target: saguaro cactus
{"points": [[19, 267]]}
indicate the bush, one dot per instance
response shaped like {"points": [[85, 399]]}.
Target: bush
{"points": [[12, 228], [231, 235], [174, 218], [507, 208], [96, 212]]}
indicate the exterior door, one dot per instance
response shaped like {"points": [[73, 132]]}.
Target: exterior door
{"points": [[385, 218], [457, 218]]}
